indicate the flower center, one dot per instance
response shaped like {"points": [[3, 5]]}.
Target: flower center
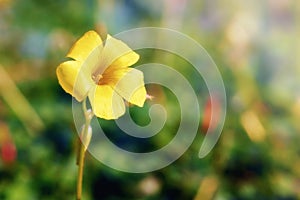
{"points": [[96, 78]]}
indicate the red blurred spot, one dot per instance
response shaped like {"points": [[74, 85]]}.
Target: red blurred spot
{"points": [[8, 152], [210, 117]]}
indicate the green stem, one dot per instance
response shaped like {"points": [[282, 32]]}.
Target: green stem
{"points": [[82, 149], [80, 170]]}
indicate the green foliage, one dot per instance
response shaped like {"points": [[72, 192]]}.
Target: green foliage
{"points": [[258, 67]]}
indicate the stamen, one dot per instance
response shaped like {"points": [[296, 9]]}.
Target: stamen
{"points": [[97, 78]]}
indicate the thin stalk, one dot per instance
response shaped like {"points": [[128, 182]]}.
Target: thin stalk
{"points": [[82, 149]]}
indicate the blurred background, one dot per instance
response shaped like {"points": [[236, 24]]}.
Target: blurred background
{"points": [[256, 47]]}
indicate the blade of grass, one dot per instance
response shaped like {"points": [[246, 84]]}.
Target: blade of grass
{"points": [[19, 104]]}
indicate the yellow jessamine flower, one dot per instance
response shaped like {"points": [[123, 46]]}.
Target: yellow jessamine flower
{"points": [[100, 70]]}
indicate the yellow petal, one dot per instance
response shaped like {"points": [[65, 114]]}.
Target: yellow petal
{"points": [[106, 103], [75, 83], [93, 62], [130, 86], [84, 46], [116, 54]]}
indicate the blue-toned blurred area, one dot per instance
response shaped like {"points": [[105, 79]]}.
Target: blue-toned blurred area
{"points": [[256, 47]]}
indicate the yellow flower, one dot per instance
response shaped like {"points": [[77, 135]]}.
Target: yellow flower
{"points": [[100, 70]]}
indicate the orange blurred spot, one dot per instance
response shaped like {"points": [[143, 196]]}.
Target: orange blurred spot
{"points": [[211, 117]]}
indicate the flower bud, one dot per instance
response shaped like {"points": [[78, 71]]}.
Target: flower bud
{"points": [[86, 137]]}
